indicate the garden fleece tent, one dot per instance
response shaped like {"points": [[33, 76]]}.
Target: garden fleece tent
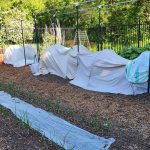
{"points": [[137, 70], [14, 55], [105, 71], [61, 61]]}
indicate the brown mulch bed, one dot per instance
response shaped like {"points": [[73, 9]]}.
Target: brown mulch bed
{"points": [[14, 135], [129, 115]]}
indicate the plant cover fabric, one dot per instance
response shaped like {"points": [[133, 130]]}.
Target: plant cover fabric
{"points": [[14, 55], [105, 72], [55, 129], [137, 70], [61, 61]]}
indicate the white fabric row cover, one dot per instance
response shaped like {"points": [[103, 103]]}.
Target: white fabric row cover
{"points": [[55, 129], [14, 55], [138, 69], [61, 61], [105, 71]]}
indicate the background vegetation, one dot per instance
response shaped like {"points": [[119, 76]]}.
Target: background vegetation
{"points": [[116, 15], [12, 11]]}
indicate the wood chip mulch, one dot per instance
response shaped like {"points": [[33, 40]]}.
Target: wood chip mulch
{"points": [[129, 115]]}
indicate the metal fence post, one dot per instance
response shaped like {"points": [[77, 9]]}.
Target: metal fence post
{"points": [[54, 16], [139, 32], [36, 36], [23, 41], [99, 30], [77, 25]]}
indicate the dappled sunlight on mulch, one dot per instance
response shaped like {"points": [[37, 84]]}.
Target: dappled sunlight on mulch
{"points": [[129, 115]]}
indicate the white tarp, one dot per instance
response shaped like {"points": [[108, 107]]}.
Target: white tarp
{"points": [[105, 72], [14, 55], [61, 61], [55, 129], [137, 70]]}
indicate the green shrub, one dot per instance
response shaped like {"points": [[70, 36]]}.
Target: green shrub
{"points": [[132, 53], [147, 46]]}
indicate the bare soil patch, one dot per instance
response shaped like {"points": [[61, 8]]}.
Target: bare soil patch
{"points": [[129, 116]]}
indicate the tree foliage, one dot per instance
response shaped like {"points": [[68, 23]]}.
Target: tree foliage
{"points": [[46, 11], [119, 14]]}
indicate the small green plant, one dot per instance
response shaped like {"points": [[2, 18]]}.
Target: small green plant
{"points": [[25, 120], [65, 141], [106, 124], [95, 122], [57, 105]]}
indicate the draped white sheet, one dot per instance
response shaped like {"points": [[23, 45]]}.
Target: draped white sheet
{"points": [[105, 71], [61, 61], [14, 55]]}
